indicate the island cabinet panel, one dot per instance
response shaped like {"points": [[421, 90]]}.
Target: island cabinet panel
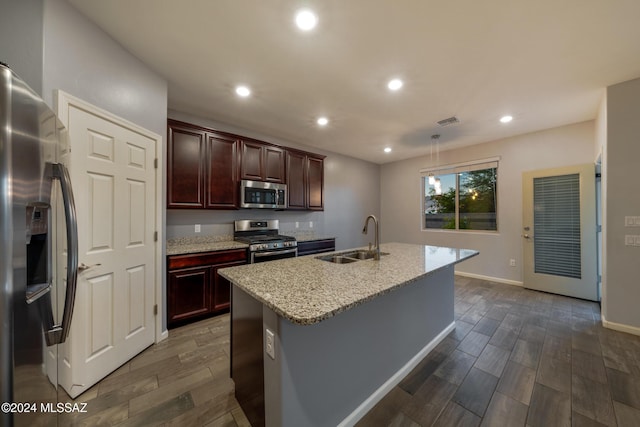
{"points": [[195, 289], [305, 181], [262, 162], [201, 168], [316, 246], [185, 172], [221, 162]]}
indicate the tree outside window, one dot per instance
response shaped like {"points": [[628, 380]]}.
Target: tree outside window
{"points": [[468, 201]]}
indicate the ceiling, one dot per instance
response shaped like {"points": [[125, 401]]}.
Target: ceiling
{"points": [[544, 62]]}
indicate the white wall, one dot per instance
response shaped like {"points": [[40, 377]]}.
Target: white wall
{"points": [[351, 191], [402, 204], [622, 155], [22, 20], [82, 60]]}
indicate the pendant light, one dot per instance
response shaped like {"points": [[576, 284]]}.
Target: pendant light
{"points": [[432, 179]]}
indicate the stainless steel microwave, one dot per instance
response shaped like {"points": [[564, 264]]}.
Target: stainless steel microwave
{"points": [[262, 195]]}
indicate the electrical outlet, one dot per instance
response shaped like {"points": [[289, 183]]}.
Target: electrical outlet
{"points": [[297, 224], [197, 228], [270, 343], [512, 262], [310, 224]]}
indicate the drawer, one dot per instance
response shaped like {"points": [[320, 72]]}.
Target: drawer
{"points": [[206, 258]]}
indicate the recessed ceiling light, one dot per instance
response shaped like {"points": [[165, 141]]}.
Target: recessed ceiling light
{"points": [[322, 121], [387, 149], [306, 20], [243, 91], [394, 84], [505, 119]]}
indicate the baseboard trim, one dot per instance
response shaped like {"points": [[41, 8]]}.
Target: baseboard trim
{"points": [[489, 278], [163, 336], [634, 330], [385, 388]]}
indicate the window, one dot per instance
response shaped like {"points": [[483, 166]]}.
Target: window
{"points": [[463, 197]]}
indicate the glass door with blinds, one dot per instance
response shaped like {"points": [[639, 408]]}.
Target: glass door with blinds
{"points": [[559, 231]]}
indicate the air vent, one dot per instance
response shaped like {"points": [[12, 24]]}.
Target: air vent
{"points": [[450, 121]]}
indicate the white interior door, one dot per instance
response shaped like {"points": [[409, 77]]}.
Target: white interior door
{"points": [[114, 181], [559, 231]]}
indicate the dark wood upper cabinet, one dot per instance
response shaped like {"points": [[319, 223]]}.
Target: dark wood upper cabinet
{"points": [[221, 173], [251, 161], [201, 168], [296, 180], [204, 167], [274, 164], [305, 181], [315, 183], [185, 172], [261, 162]]}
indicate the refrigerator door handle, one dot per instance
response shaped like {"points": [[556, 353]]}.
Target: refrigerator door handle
{"points": [[58, 333]]}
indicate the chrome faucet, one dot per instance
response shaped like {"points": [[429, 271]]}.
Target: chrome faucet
{"points": [[377, 238]]}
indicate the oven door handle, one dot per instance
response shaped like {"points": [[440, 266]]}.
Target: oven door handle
{"points": [[264, 254]]}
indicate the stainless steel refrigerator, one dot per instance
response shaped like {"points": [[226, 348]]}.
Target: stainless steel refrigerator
{"points": [[38, 255]]}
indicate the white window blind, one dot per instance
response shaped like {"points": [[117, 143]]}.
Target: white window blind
{"points": [[556, 218]]}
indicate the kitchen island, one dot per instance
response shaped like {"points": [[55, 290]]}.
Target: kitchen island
{"points": [[319, 343]]}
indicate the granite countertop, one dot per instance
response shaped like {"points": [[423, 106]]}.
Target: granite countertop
{"points": [[192, 245], [307, 290]]}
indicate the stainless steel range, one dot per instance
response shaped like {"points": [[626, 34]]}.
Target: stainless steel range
{"points": [[265, 242]]}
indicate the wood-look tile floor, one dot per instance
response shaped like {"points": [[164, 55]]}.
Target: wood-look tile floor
{"points": [[516, 358], [182, 381], [520, 358]]}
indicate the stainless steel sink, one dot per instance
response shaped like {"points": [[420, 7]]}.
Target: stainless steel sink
{"points": [[363, 254], [337, 259], [350, 256]]}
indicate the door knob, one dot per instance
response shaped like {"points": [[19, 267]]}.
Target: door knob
{"points": [[82, 267]]}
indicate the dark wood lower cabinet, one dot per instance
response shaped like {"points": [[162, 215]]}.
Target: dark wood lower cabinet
{"points": [[189, 293], [195, 289], [316, 246]]}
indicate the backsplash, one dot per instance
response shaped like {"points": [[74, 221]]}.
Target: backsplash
{"points": [[219, 224]]}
